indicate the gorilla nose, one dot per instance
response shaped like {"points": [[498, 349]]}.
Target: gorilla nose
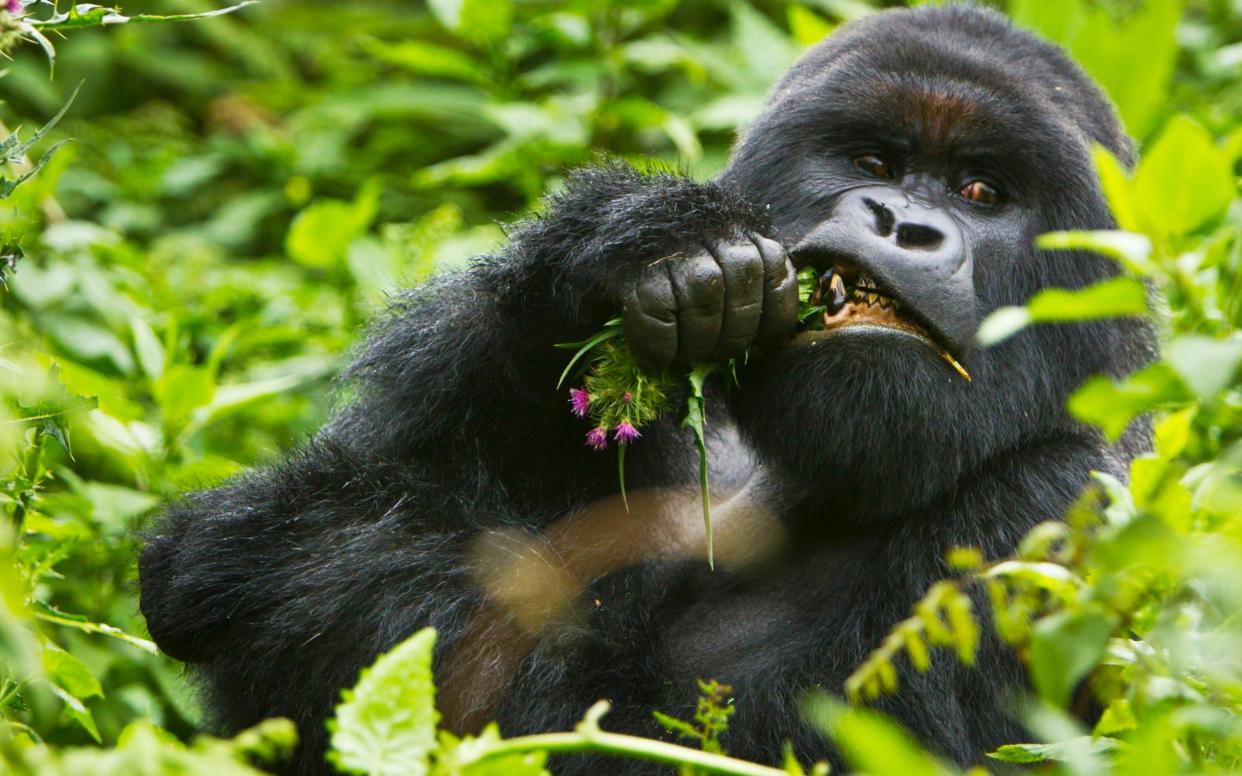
{"points": [[915, 251], [910, 226]]}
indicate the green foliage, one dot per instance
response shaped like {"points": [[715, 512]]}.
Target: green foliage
{"points": [[195, 262], [711, 717], [386, 725]]}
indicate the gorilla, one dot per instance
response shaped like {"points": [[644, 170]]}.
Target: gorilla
{"points": [[910, 159]]}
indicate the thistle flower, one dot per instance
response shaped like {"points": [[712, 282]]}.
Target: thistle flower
{"points": [[625, 433], [627, 397], [597, 438], [579, 400], [14, 7]]}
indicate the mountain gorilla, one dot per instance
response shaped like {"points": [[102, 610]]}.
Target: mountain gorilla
{"points": [[911, 159]]}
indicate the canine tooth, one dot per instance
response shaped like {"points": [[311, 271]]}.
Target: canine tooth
{"points": [[836, 294], [871, 298]]}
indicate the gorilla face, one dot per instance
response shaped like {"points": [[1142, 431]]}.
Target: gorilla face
{"points": [[911, 160]]}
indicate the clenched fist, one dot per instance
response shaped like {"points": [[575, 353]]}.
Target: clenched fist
{"points": [[711, 305]]}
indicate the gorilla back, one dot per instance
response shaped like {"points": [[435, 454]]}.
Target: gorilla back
{"points": [[911, 159]]}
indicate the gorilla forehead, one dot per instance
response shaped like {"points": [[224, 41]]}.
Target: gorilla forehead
{"points": [[946, 79]]}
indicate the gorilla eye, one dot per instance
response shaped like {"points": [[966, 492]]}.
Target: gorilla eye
{"points": [[980, 192], [874, 165]]}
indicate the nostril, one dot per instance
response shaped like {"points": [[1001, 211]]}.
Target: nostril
{"points": [[918, 237], [883, 216]]}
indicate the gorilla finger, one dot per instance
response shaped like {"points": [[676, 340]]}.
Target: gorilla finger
{"points": [[742, 268], [649, 318], [699, 287], [780, 293]]}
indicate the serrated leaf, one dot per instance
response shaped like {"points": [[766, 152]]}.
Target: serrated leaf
{"points": [[386, 724]]}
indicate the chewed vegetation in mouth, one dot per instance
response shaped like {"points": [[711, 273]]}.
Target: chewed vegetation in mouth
{"points": [[837, 298]]}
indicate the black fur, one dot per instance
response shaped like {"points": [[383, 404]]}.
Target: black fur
{"points": [[279, 586]]}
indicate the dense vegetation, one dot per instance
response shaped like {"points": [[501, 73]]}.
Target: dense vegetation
{"points": [[183, 278]]}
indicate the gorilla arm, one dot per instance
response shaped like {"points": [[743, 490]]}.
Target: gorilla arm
{"points": [[282, 584]]}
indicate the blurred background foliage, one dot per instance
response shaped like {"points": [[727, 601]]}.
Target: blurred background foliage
{"points": [[184, 278]]}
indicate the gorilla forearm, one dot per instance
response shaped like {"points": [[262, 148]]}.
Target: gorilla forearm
{"points": [[473, 354]]}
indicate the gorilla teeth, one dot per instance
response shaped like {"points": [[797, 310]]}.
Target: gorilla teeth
{"points": [[836, 294]]}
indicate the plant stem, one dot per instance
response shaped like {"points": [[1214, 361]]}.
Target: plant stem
{"points": [[601, 742]]}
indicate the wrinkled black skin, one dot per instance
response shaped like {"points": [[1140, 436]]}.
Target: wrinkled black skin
{"points": [[280, 585]]}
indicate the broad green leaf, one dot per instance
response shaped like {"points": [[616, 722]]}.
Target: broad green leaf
{"points": [[320, 235], [1001, 324], [1207, 365], [1129, 49], [428, 59], [480, 21], [183, 389], [386, 724], [1112, 405], [1119, 296], [70, 673], [1115, 297], [77, 711], [1184, 180], [150, 350], [1064, 648], [1118, 188], [871, 742], [1071, 749], [1131, 250], [806, 26]]}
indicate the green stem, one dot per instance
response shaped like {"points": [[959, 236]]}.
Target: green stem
{"points": [[621, 475], [600, 742]]}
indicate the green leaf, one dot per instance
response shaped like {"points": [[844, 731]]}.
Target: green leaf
{"points": [[320, 235], [386, 724], [461, 757], [183, 389], [150, 350], [1112, 405], [1207, 365], [480, 21], [1069, 750], [1119, 296], [1131, 250], [806, 26], [1001, 324], [1065, 647], [1131, 53], [78, 712], [871, 742], [428, 59], [1184, 180], [70, 673], [696, 420]]}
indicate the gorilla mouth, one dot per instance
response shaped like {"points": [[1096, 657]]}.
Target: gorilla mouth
{"points": [[844, 297]]}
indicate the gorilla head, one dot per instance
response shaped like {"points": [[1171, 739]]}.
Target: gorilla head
{"points": [[918, 154]]}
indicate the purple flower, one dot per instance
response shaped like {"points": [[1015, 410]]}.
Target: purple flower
{"points": [[597, 438], [627, 397], [579, 400], [625, 433], [14, 7]]}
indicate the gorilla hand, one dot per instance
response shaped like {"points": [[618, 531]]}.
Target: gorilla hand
{"points": [[711, 305]]}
